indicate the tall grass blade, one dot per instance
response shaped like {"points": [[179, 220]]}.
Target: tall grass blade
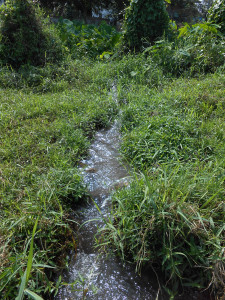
{"points": [[211, 198], [29, 265], [33, 295], [30, 257], [22, 287]]}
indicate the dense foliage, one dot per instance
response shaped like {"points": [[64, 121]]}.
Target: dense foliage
{"points": [[193, 49], [217, 14], [144, 20], [26, 37], [89, 40]]}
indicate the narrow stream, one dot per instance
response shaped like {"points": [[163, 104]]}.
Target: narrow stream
{"points": [[91, 274], [107, 276]]}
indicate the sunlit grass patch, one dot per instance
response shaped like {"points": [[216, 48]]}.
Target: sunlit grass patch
{"points": [[172, 214], [173, 219], [42, 139]]}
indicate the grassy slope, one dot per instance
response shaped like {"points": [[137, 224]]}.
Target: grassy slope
{"points": [[172, 214], [173, 134], [42, 139]]}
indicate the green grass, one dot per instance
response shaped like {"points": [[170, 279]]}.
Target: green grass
{"points": [[43, 137], [172, 215], [172, 135]]}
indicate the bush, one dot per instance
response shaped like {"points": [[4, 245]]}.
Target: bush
{"points": [[87, 39], [26, 36], [217, 14], [199, 48], [144, 20]]}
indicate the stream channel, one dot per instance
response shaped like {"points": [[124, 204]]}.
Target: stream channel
{"points": [[101, 277], [107, 276]]}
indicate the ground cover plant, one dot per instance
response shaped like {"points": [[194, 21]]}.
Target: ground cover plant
{"points": [[42, 139], [172, 135], [172, 215]]}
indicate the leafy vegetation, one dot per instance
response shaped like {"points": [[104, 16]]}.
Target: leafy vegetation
{"points": [[171, 216], [144, 20], [90, 40], [217, 14], [26, 37], [195, 49]]}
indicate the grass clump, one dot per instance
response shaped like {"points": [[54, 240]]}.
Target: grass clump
{"points": [[173, 219], [50, 78], [162, 139]]}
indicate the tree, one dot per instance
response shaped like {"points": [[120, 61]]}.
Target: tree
{"points": [[144, 19], [184, 10], [25, 35], [82, 8], [217, 14]]}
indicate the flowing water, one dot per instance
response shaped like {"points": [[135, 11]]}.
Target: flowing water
{"points": [[103, 277], [90, 273]]}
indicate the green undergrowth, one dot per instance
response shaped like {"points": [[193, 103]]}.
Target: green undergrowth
{"points": [[94, 41], [192, 49], [67, 74], [172, 215], [43, 137], [128, 72]]}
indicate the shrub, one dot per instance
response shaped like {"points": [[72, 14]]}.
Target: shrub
{"points": [[197, 48], [144, 20], [88, 39], [26, 36], [217, 14]]}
